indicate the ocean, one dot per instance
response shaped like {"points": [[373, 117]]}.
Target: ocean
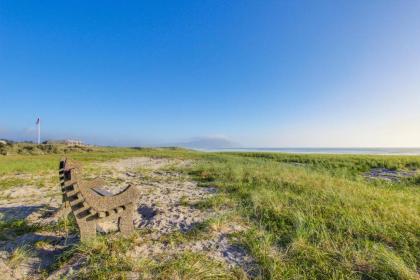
{"points": [[355, 151]]}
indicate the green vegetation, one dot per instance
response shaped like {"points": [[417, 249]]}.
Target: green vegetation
{"points": [[12, 228], [306, 216], [341, 164], [310, 223], [109, 258], [195, 266], [6, 183], [33, 149], [19, 255], [47, 163]]}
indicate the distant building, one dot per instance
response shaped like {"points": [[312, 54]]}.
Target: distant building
{"points": [[3, 142], [69, 142], [72, 142]]}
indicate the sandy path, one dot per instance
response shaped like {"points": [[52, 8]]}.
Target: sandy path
{"points": [[162, 191]]}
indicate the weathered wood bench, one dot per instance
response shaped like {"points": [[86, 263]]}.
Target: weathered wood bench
{"points": [[91, 205]]}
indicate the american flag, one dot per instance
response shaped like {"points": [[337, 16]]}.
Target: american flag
{"points": [[38, 120]]}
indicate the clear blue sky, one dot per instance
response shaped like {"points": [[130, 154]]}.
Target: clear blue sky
{"points": [[260, 73]]}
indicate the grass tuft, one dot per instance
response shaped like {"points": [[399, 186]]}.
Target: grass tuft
{"points": [[19, 255], [194, 266]]}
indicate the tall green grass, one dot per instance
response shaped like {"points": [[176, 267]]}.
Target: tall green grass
{"points": [[342, 164], [314, 225]]}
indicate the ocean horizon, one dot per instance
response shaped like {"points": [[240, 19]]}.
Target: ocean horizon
{"points": [[355, 151]]}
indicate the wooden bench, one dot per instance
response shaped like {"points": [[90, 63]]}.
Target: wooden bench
{"points": [[91, 205]]}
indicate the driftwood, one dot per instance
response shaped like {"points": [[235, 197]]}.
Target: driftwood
{"points": [[91, 205]]}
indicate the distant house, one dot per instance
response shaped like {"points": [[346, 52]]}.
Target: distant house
{"points": [[69, 142], [72, 142]]}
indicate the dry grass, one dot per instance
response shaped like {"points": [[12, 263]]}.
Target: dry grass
{"points": [[19, 256]]}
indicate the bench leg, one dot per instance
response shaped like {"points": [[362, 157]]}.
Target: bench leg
{"points": [[125, 222], [87, 229]]}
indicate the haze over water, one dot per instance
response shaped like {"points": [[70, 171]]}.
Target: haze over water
{"points": [[362, 151]]}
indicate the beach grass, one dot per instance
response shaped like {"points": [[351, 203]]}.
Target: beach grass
{"points": [[310, 224], [307, 216]]}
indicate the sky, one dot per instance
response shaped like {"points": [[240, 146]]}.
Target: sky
{"points": [[256, 73]]}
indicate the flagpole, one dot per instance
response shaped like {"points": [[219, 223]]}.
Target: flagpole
{"points": [[39, 131]]}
